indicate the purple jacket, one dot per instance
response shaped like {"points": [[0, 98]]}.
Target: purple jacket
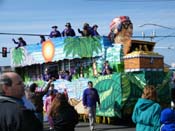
{"points": [[68, 32], [90, 97], [54, 34]]}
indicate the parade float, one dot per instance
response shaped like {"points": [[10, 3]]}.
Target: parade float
{"points": [[134, 65]]}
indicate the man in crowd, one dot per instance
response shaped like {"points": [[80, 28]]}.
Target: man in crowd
{"points": [[90, 99], [13, 114]]}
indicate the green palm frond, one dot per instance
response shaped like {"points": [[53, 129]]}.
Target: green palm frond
{"points": [[82, 49], [137, 79], [76, 50], [97, 45], [18, 56], [91, 46], [126, 89], [82, 46], [70, 45], [110, 96]]}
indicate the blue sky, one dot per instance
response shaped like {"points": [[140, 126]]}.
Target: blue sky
{"points": [[37, 17]]}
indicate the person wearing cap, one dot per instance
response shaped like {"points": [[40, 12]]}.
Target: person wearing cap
{"points": [[54, 33], [68, 31], [87, 30], [95, 32], [21, 42]]}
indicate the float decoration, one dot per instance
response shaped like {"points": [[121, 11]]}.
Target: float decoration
{"points": [[121, 30], [118, 91], [142, 58], [48, 50]]}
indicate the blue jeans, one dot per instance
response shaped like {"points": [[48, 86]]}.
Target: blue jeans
{"points": [[92, 116]]}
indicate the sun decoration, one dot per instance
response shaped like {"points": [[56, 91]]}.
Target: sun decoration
{"points": [[48, 50]]}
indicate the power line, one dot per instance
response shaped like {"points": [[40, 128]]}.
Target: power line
{"points": [[165, 37], [23, 34], [48, 35]]}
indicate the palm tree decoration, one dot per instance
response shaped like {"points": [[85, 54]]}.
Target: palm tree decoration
{"points": [[18, 56], [71, 46], [82, 46]]}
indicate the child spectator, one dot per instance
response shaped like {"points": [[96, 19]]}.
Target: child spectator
{"points": [[47, 105]]}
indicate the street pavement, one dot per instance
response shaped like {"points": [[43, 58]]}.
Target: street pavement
{"points": [[103, 127], [84, 126]]}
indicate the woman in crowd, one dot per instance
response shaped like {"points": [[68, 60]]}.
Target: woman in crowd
{"points": [[64, 116], [147, 112]]}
